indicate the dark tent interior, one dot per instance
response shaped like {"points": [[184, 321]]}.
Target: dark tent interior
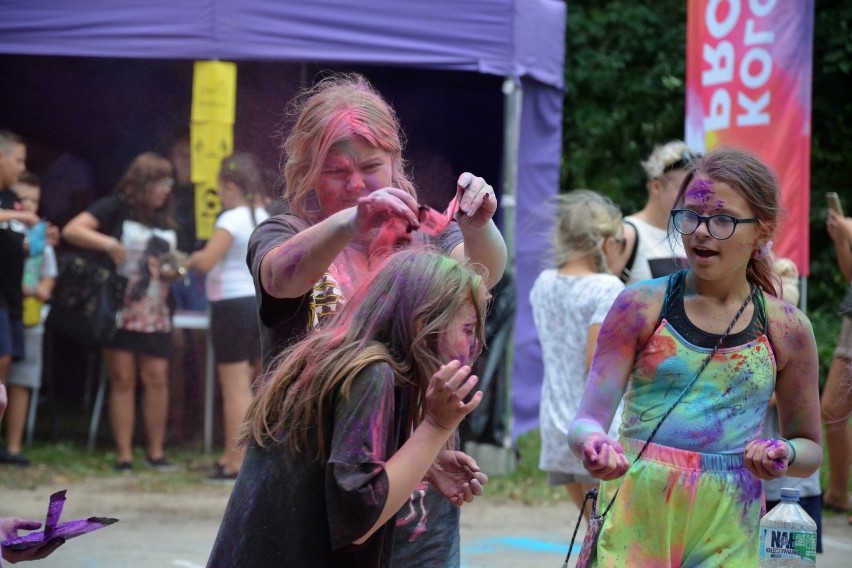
{"points": [[105, 111]]}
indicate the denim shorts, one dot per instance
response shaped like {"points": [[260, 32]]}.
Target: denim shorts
{"points": [[11, 335]]}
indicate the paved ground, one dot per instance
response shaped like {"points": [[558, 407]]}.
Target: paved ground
{"points": [[177, 530]]}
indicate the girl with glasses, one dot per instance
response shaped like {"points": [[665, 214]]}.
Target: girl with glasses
{"points": [[696, 356]]}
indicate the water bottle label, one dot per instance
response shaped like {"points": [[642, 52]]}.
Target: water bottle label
{"points": [[780, 543]]}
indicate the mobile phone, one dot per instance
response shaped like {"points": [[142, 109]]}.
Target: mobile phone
{"points": [[833, 202]]}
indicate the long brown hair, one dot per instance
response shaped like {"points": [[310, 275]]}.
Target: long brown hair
{"points": [[145, 169], [337, 108], [758, 185], [396, 317]]}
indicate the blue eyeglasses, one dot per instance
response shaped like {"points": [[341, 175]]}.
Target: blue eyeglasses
{"points": [[720, 227]]}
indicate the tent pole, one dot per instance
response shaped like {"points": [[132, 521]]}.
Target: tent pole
{"points": [[512, 101]]}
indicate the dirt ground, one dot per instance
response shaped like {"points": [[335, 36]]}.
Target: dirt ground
{"points": [[158, 529]]}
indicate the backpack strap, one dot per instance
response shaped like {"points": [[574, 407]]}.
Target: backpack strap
{"points": [[625, 273]]}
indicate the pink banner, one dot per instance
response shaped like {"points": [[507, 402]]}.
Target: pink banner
{"points": [[748, 78]]}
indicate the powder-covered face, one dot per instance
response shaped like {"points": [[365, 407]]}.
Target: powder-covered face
{"points": [[352, 169], [710, 257], [459, 340], [12, 165]]}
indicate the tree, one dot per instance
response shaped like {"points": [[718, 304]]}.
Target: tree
{"points": [[625, 91]]}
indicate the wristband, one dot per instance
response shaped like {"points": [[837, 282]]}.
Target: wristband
{"points": [[791, 454]]}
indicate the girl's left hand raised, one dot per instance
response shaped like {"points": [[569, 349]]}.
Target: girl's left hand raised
{"points": [[476, 199], [450, 385], [767, 459]]}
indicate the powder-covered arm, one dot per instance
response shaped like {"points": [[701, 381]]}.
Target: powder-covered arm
{"points": [[797, 396], [628, 324]]}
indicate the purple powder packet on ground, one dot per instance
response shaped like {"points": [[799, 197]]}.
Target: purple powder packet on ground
{"points": [[64, 531], [54, 511]]}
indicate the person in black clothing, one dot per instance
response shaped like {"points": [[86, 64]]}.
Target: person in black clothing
{"points": [[13, 252], [349, 422]]}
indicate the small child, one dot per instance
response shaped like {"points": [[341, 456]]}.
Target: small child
{"points": [[569, 303], [39, 277]]}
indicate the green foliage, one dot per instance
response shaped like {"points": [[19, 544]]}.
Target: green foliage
{"points": [[831, 144], [527, 483], [625, 92]]}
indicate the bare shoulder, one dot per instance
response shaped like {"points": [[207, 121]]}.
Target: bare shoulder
{"points": [[790, 329], [637, 308]]}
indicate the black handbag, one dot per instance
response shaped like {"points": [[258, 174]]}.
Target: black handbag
{"points": [[87, 298]]}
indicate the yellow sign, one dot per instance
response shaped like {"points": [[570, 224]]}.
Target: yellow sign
{"points": [[210, 142], [214, 92], [207, 207], [211, 136]]}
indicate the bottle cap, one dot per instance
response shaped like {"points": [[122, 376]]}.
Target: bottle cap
{"points": [[789, 493]]}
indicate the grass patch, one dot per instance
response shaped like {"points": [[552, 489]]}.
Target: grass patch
{"points": [[527, 483], [70, 463], [61, 463]]}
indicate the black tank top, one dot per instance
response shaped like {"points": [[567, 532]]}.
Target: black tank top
{"points": [[674, 312]]}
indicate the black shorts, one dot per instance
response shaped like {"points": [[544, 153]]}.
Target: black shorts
{"points": [[234, 330], [155, 344]]}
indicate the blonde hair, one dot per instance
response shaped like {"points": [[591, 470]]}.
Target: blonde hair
{"points": [[337, 108], [787, 271], [666, 156], [396, 317], [585, 219]]}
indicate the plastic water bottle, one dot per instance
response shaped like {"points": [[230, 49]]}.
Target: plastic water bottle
{"points": [[787, 534]]}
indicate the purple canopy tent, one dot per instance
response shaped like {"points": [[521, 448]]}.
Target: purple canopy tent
{"points": [[521, 41]]}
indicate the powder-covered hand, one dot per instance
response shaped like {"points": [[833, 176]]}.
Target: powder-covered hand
{"points": [[450, 385], [603, 457], [374, 210], [9, 528], [767, 459], [476, 201], [457, 476]]}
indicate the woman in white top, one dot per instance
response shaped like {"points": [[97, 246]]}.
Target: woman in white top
{"points": [[230, 292], [569, 303]]}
